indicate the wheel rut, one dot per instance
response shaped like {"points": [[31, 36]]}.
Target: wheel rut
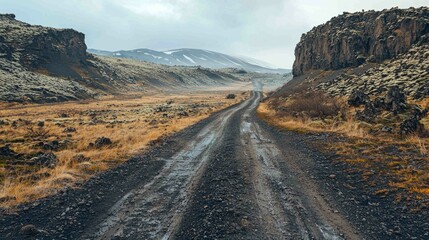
{"points": [[154, 210], [228, 177]]}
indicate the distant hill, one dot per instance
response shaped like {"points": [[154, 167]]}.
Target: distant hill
{"points": [[42, 64], [193, 57]]}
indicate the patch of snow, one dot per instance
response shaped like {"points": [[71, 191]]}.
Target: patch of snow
{"points": [[148, 54], [204, 59], [117, 54], [189, 59], [170, 52]]}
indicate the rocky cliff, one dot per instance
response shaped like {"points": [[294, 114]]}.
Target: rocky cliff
{"points": [[42, 64], [408, 71], [352, 39], [39, 47]]}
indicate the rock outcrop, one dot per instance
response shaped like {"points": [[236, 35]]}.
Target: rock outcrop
{"points": [[408, 71], [352, 39], [39, 47], [42, 64]]}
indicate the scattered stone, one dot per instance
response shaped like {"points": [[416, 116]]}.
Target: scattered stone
{"points": [[53, 145], [49, 160], [64, 115], [411, 125], [387, 129], [79, 158], [368, 114], [5, 151], [29, 230], [230, 96], [161, 109], [378, 103], [40, 123], [357, 98], [332, 176], [183, 114], [69, 129], [395, 100], [102, 141]]}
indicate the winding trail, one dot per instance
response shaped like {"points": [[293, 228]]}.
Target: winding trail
{"points": [[224, 178]]}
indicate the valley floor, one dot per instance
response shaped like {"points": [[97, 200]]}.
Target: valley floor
{"points": [[230, 176], [46, 147]]}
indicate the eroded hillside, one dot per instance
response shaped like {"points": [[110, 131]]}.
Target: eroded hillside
{"points": [[361, 81], [352, 39], [41, 64]]}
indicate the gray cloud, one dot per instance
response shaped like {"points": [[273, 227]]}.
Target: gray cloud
{"points": [[263, 29]]}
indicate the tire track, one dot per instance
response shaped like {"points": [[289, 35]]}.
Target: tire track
{"points": [[154, 210], [292, 209]]}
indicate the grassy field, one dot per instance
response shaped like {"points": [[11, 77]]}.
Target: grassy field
{"points": [[397, 164], [87, 137]]}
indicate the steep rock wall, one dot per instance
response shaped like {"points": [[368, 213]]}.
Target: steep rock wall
{"points": [[352, 39]]}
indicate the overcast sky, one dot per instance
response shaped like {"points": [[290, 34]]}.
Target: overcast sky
{"points": [[264, 29]]}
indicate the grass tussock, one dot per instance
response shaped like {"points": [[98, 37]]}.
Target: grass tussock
{"points": [[69, 130], [395, 163]]}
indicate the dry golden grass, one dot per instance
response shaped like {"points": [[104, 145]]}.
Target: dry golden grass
{"points": [[132, 125], [406, 166], [349, 127]]}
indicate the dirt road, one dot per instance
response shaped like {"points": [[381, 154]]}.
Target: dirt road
{"points": [[224, 178]]}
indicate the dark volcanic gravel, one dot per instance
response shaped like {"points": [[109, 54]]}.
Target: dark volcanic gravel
{"points": [[230, 176]]}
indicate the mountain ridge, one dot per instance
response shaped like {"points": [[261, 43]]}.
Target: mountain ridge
{"points": [[192, 57], [44, 64]]}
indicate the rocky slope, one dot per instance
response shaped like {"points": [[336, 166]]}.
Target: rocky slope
{"points": [[41, 64], [193, 57], [409, 71], [352, 39], [38, 47]]}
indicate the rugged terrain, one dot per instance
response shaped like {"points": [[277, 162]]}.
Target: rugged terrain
{"points": [[214, 180], [352, 39], [366, 51], [45, 148], [193, 57], [42, 64], [339, 152], [363, 78]]}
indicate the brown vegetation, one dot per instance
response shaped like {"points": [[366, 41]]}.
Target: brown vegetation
{"points": [[58, 145], [402, 161]]}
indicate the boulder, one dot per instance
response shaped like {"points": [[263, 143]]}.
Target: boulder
{"points": [[102, 141], [357, 98], [40, 123], [49, 160], [29, 230], [183, 114], [230, 96], [5, 151], [395, 100], [411, 125], [69, 129], [368, 114]]}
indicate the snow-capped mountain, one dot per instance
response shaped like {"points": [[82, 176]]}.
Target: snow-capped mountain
{"points": [[193, 57]]}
